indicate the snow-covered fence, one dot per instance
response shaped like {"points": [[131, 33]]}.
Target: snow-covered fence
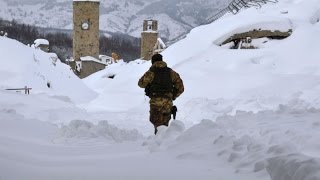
{"points": [[26, 90]]}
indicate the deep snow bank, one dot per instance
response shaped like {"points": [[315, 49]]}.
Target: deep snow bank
{"points": [[260, 143], [294, 167], [121, 92], [18, 124], [223, 80], [54, 109], [24, 66], [81, 130]]}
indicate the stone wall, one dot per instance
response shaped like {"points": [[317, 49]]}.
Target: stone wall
{"points": [[148, 40], [90, 67], [44, 47], [154, 25]]}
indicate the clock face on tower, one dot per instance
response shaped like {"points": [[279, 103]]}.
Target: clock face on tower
{"points": [[85, 26]]}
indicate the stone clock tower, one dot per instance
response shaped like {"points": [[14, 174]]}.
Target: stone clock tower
{"points": [[85, 28], [149, 38]]}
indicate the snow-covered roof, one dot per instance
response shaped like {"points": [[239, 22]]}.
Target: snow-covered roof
{"points": [[162, 43], [38, 42], [104, 56], [105, 59], [150, 31], [90, 58]]}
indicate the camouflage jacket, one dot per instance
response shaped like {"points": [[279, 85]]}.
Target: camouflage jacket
{"points": [[147, 78]]}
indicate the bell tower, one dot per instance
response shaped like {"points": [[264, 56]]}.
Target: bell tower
{"points": [[149, 38], [85, 28]]}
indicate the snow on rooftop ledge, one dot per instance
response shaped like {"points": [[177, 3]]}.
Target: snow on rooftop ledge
{"points": [[90, 58], [38, 42]]}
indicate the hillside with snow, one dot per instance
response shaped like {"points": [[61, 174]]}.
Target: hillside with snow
{"points": [[246, 114], [175, 17], [26, 66]]}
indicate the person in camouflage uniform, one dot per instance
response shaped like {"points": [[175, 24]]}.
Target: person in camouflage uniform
{"points": [[163, 85]]}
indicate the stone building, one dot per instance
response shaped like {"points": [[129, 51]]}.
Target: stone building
{"points": [[91, 66], [149, 37], [86, 35]]}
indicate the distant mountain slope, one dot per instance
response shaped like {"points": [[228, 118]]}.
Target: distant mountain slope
{"points": [[124, 16]]}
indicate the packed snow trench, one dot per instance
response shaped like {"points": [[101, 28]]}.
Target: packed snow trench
{"points": [[246, 114]]}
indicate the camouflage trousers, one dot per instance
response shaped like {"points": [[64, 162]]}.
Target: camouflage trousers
{"points": [[160, 112]]}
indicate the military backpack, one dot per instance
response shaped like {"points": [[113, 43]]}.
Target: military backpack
{"points": [[161, 84]]}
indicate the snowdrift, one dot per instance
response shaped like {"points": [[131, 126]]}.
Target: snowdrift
{"points": [[24, 66], [294, 166], [250, 142]]}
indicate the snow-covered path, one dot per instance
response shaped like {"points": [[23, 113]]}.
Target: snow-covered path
{"points": [[245, 146], [37, 150]]}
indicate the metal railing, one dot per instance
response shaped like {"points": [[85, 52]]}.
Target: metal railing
{"points": [[25, 89], [236, 5], [219, 15]]}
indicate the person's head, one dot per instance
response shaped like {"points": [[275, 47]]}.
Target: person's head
{"points": [[156, 57]]}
